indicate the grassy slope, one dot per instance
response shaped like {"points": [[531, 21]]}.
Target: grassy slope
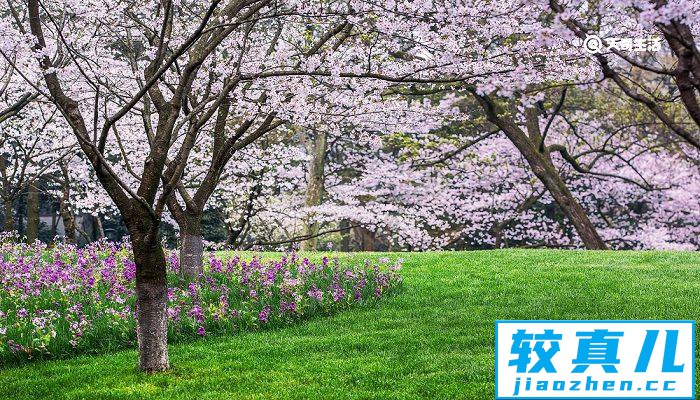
{"points": [[435, 339]]}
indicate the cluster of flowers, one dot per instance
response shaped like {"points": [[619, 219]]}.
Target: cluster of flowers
{"points": [[65, 300]]}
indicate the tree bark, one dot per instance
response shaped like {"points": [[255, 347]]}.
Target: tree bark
{"points": [[545, 171], [69, 228], [151, 294], [8, 201], [345, 235], [541, 165], [32, 213], [315, 186], [191, 245], [365, 238], [9, 215], [98, 231]]}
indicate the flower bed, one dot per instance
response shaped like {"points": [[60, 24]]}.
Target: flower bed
{"points": [[67, 300]]}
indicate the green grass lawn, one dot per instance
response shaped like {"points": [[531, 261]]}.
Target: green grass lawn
{"points": [[432, 340]]}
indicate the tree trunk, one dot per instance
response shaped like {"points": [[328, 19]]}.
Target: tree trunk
{"points": [[8, 201], [98, 231], [543, 168], [151, 294], [65, 208], [191, 245], [315, 186], [497, 233], [9, 215], [345, 235], [32, 213], [54, 223], [365, 238]]}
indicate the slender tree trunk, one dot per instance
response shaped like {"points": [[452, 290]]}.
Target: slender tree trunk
{"points": [[97, 228], [54, 223], [8, 201], [21, 217], [191, 245], [69, 228], [151, 293], [315, 186], [32, 213], [497, 233]]}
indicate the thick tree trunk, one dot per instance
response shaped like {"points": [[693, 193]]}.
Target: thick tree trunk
{"points": [[315, 186], [544, 170], [32, 213], [345, 235], [151, 294], [9, 215], [191, 245], [365, 238], [541, 165]]}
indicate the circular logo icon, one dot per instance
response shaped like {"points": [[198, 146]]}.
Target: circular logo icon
{"points": [[593, 44]]}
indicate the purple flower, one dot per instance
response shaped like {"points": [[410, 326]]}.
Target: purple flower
{"points": [[174, 313], [337, 292], [315, 293], [264, 314], [288, 306], [91, 292]]}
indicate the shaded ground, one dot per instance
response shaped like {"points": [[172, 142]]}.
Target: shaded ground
{"points": [[433, 340]]}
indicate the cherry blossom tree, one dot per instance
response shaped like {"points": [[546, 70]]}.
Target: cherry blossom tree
{"points": [[184, 77]]}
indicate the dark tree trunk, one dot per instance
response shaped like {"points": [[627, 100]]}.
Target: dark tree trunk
{"points": [[680, 38], [541, 165], [8, 201], [67, 216], [21, 217], [9, 215], [545, 171], [236, 233], [191, 245], [540, 161], [497, 233], [345, 235], [365, 238], [32, 213], [151, 293]]}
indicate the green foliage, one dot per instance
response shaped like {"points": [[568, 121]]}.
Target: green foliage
{"points": [[434, 340]]}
